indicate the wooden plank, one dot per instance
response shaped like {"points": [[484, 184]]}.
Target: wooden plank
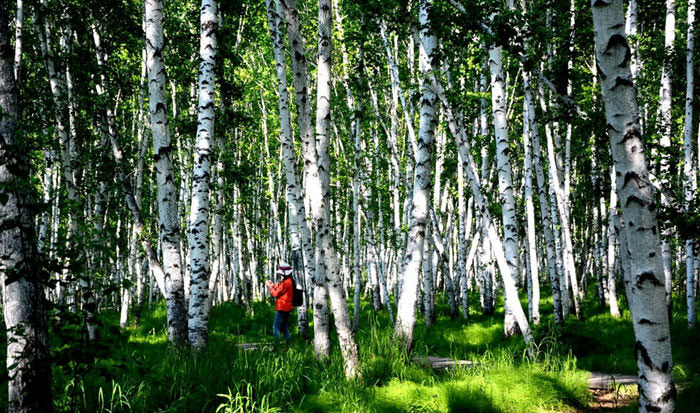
{"points": [[441, 363], [599, 380]]}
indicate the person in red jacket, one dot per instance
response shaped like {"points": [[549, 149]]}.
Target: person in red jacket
{"points": [[283, 292]]}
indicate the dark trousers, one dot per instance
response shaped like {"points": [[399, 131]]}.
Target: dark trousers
{"points": [[280, 325]]}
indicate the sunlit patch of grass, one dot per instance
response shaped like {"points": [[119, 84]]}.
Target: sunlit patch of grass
{"points": [[497, 384]]}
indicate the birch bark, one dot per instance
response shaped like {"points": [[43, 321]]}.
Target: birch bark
{"points": [[165, 178], [462, 220], [612, 241], [133, 200], [298, 229], [509, 288], [19, 23], [28, 358], [689, 167], [64, 139], [405, 314], [200, 270], [505, 186], [318, 189], [641, 244], [301, 98], [665, 131], [529, 206]]}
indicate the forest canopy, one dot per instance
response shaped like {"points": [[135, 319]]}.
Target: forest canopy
{"points": [[508, 188]]}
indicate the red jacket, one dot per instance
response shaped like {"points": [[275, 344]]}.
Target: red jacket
{"points": [[284, 292]]}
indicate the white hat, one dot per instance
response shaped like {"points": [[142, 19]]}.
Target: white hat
{"points": [[284, 269]]}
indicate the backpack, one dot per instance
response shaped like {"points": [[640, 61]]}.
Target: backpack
{"points": [[298, 296]]}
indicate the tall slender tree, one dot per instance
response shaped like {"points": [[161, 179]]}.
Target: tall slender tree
{"points": [[641, 244], [165, 175], [505, 180], [28, 359], [665, 122], [298, 228], [318, 189], [199, 211], [422, 181], [302, 101], [689, 165]]}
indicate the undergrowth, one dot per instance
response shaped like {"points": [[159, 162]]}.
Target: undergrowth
{"points": [[137, 370]]}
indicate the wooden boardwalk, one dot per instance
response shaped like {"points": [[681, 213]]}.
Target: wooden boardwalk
{"points": [[606, 380], [441, 363], [597, 380], [254, 346]]}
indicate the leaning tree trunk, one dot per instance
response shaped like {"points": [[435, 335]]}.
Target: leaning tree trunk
{"points": [[66, 144], [505, 186], [165, 175], [133, 200], [510, 289], [406, 314], [28, 364], [199, 211], [318, 188], [640, 244], [530, 207], [567, 247]]}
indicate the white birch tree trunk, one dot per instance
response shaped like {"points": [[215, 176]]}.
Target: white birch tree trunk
{"points": [[318, 189], [509, 288], [43, 235], [299, 234], [356, 224], [297, 50], [444, 261], [505, 186], [28, 358], [665, 129], [218, 261], [19, 23], [381, 267], [689, 166], [631, 31], [64, 139], [165, 178], [463, 221], [200, 271], [567, 249], [612, 214], [405, 313], [641, 244], [529, 206], [133, 200], [428, 276]]}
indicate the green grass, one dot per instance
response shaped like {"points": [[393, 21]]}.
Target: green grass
{"points": [[137, 370]]}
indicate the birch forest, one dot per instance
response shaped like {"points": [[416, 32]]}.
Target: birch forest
{"points": [[486, 205]]}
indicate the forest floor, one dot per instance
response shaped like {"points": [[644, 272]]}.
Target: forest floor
{"points": [[136, 370]]}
